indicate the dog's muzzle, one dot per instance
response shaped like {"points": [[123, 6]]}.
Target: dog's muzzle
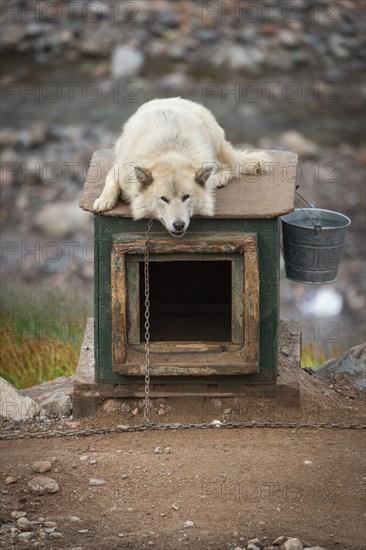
{"points": [[179, 228]]}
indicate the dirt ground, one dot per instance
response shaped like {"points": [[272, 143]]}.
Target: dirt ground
{"points": [[232, 484]]}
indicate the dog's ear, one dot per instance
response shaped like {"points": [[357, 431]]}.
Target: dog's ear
{"points": [[143, 175], [203, 174]]}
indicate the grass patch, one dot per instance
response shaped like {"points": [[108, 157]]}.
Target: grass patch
{"points": [[41, 330], [315, 355]]}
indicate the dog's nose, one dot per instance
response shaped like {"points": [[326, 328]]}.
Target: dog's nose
{"points": [[178, 225]]}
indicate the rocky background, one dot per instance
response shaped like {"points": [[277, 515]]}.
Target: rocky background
{"points": [[276, 75]]}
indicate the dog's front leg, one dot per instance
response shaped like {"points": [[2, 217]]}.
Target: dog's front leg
{"points": [[110, 193], [220, 176]]}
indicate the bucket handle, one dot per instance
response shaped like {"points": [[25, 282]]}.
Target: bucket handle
{"points": [[317, 226]]}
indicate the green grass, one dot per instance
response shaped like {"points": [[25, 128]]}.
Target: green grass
{"points": [[41, 330], [314, 355]]}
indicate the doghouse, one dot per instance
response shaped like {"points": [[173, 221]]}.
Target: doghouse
{"points": [[214, 296]]}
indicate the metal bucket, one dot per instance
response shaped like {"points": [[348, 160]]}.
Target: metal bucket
{"points": [[312, 244]]}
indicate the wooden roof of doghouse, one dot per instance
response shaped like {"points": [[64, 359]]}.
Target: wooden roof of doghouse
{"points": [[266, 196]]}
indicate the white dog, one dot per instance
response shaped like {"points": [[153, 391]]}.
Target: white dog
{"points": [[170, 157]]}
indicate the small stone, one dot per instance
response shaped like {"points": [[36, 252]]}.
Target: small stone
{"points": [[308, 463], [43, 485], [49, 530], [254, 544], [93, 461], [188, 523], [96, 481], [168, 450], [110, 405], [72, 424], [288, 38], [10, 479], [41, 466], [25, 537], [158, 450], [161, 412], [315, 548], [24, 524], [83, 531], [175, 506], [280, 540], [18, 514], [83, 458], [56, 535], [292, 544], [126, 407], [75, 519], [124, 476], [50, 524]]}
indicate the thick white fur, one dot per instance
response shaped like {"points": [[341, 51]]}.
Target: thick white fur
{"points": [[164, 149]]}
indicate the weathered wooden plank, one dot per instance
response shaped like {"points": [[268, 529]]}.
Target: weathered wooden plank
{"points": [[160, 244], [133, 302], [251, 305], [172, 347], [118, 269], [237, 306], [264, 196], [160, 369]]}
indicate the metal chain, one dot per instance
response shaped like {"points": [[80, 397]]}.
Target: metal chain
{"points": [[172, 426], [181, 425], [147, 323]]}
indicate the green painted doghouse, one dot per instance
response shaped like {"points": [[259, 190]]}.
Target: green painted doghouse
{"points": [[214, 296]]}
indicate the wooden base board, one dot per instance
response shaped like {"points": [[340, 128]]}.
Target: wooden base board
{"points": [[186, 400]]}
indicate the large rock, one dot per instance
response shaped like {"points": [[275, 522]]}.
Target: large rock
{"points": [[57, 405], [127, 62], [351, 365], [13, 405], [292, 544], [177, 83], [296, 142], [62, 219], [238, 58]]}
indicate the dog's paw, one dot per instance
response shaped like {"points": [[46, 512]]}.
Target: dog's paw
{"points": [[102, 205], [256, 164], [256, 168], [217, 180]]}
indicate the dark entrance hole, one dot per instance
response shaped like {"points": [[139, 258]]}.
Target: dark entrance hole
{"points": [[189, 301]]}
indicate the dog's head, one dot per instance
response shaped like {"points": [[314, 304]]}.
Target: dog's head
{"points": [[172, 191]]}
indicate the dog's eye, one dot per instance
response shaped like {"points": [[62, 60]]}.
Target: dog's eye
{"points": [[186, 197], [164, 199]]}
